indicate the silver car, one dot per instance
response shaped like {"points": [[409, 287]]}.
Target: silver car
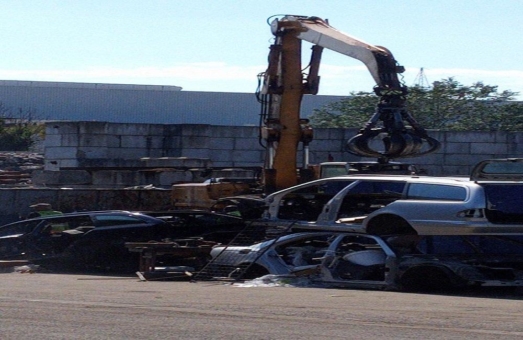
{"points": [[404, 262], [489, 202]]}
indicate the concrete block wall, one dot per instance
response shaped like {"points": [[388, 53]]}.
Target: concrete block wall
{"points": [[99, 144]]}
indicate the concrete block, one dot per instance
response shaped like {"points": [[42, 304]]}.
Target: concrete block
{"points": [[155, 130], [217, 144], [68, 163], [92, 128], [233, 173], [433, 158], [154, 142], [325, 145], [247, 144], [53, 153], [53, 141], [247, 132], [92, 140], [202, 130], [172, 143], [126, 153], [62, 128], [155, 153], [179, 162], [109, 178], [128, 129], [175, 152], [196, 142], [462, 160], [456, 148], [95, 162], [452, 170], [241, 156], [91, 152], [61, 178], [113, 141], [51, 165], [489, 148], [349, 133], [171, 130], [167, 178], [470, 136], [197, 153], [70, 140], [223, 131], [137, 142]]}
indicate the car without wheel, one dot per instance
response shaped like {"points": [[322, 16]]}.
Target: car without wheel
{"points": [[489, 202], [396, 262], [96, 240], [83, 239]]}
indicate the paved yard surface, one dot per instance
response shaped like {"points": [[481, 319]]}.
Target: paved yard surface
{"points": [[54, 306]]}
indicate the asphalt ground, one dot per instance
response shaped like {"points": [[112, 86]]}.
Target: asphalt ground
{"points": [[66, 306]]}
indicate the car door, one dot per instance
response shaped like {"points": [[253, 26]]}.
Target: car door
{"points": [[15, 239], [358, 260], [304, 202], [304, 251]]}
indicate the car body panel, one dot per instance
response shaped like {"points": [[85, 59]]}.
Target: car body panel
{"points": [[396, 262], [503, 169], [211, 226], [96, 240], [49, 237], [421, 204]]}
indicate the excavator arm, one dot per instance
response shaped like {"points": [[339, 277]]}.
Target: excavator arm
{"points": [[284, 85]]}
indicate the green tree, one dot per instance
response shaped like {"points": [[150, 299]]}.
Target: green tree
{"points": [[18, 129], [447, 105]]}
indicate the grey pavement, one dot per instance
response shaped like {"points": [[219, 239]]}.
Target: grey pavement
{"points": [[62, 306]]}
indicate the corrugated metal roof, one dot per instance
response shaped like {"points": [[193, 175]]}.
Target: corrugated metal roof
{"points": [[149, 104]]}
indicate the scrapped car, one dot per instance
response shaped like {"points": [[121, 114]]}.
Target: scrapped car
{"points": [[96, 240], [210, 226], [86, 239], [397, 262], [491, 201], [248, 207]]}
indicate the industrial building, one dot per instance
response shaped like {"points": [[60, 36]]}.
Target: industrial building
{"points": [[148, 104]]}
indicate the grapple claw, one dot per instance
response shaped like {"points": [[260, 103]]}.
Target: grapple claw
{"points": [[396, 145]]}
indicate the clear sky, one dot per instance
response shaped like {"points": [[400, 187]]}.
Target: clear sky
{"points": [[221, 45]]}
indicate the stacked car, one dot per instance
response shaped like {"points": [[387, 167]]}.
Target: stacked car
{"points": [[409, 232]]}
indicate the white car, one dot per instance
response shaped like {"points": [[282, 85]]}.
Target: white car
{"points": [[405, 262], [489, 202]]}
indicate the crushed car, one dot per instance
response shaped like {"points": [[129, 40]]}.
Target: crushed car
{"points": [[490, 201], [81, 240], [95, 241], [396, 262], [210, 226]]}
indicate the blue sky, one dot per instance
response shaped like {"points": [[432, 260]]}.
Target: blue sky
{"points": [[221, 46]]}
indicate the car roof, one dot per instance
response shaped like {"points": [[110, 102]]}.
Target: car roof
{"points": [[83, 213], [396, 178], [465, 181], [502, 169], [409, 178]]}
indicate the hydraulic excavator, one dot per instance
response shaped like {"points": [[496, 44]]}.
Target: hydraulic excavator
{"points": [[283, 84]]}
